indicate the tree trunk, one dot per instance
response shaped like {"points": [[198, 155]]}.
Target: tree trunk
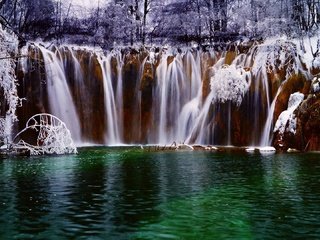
{"points": [[145, 12]]}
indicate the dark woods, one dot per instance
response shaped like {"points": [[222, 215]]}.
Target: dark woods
{"points": [[153, 21]]}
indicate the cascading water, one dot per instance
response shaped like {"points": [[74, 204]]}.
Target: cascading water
{"points": [[119, 95], [60, 99], [188, 96], [112, 135], [171, 88], [266, 138]]}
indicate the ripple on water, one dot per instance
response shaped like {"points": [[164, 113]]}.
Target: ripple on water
{"points": [[108, 193]]}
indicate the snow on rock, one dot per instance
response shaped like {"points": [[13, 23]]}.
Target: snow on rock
{"points": [[287, 120], [275, 54], [229, 83], [316, 84], [316, 62], [308, 47]]}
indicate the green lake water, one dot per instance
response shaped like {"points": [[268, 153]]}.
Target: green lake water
{"points": [[126, 193]]}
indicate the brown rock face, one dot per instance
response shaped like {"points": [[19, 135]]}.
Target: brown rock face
{"points": [[207, 62], [307, 136], [230, 56], [296, 83], [308, 124], [206, 83], [88, 95], [146, 86], [32, 87], [86, 87], [131, 96]]}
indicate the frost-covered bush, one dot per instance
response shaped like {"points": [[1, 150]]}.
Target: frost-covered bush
{"points": [[8, 82], [287, 119], [53, 137], [229, 84], [275, 55]]}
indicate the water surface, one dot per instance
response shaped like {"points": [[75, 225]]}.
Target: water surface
{"points": [[126, 193]]}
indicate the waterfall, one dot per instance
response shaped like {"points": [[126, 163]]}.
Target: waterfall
{"points": [[170, 89], [266, 134], [60, 99], [187, 96], [179, 92], [112, 135], [119, 95]]}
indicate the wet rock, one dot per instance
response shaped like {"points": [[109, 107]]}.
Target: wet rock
{"points": [[146, 87], [296, 83], [32, 87], [206, 83], [308, 124], [170, 60], [230, 56], [307, 134], [131, 108]]}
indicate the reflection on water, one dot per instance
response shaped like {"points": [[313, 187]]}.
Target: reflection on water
{"points": [[124, 193]]}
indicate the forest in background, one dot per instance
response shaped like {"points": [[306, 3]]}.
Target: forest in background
{"points": [[128, 22]]}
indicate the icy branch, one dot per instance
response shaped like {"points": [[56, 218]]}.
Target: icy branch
{"points": [[53, 137], [8, 82]]}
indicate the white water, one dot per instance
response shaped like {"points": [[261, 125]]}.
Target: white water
{"points": [[266, 134], [119, 95], [60, 99], [112, 135]]}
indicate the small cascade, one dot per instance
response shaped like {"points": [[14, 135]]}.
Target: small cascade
{"points": [[201, 130], [266, 134], [119, 94], [170, 90], [187, 119], [179, 91], [60, 99], [112, 135]]}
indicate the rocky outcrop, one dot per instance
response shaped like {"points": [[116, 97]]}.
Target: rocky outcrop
{"points": [[296, 83], [308, 124], [307, 135]]}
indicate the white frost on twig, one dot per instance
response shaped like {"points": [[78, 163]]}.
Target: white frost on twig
{"points": [[8, 81], [53, 137]]}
